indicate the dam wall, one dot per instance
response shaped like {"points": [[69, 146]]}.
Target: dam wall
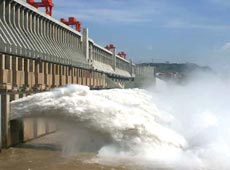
{"points": [[38, 53], [29, 33]]}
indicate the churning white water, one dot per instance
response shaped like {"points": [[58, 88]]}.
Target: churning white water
{"points": [[175, 127]]}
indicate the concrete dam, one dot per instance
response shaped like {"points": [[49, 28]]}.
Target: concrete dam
{"points": [[38, 53]]}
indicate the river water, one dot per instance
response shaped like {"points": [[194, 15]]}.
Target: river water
{"points": [[43, 159], [166, 127]]}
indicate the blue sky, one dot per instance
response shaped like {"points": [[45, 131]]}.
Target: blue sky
{"points": [[157, 30]]}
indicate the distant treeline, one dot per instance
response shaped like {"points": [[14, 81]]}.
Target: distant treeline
{"points": [[177, 67], [177, 72]]}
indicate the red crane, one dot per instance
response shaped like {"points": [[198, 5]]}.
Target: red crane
{"points": [[110, 47], [72, 21], [122, 54], [48, 4]]}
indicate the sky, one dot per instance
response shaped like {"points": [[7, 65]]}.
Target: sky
{"points": [[179, 31]]}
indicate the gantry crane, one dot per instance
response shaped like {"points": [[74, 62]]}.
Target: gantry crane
{"points": [[122, 54], [110, 47], [72, 21], [48, 4]]}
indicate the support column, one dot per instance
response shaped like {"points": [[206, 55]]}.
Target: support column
{"points": [[37, 71], [2, 67], [131, 71], [20, 73], [29, 126], [15, 72], [0, 122], [31, 73], [26, 70], [48, 75], [46, 72], [114, 59], [15, 63], [56, 75], [85, 41], [2, 61], [2, 9], [6, 72], [39, 75], [5, 103], [16, 128], [9, 76], [91, 54]]}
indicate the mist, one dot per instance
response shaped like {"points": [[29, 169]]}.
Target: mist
{"points": [[200, 108], [167, 126]]}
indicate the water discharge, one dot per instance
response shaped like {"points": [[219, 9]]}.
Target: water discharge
{"points": [[174, 127]]}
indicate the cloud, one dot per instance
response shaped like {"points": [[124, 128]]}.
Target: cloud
{"points": [[178, 23], [107, 11], [226, 47], [219, 58], [112, 15], [221, 52], [220, 2], [150, 47], [157, 13]]}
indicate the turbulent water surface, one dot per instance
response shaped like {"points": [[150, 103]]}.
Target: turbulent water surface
{"points": [[167, 127]]}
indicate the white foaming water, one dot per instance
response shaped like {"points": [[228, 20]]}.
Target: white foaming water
{"points": [[174, 127]]}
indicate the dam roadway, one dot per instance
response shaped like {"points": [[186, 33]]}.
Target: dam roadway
{"points": [[38, 53]]}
